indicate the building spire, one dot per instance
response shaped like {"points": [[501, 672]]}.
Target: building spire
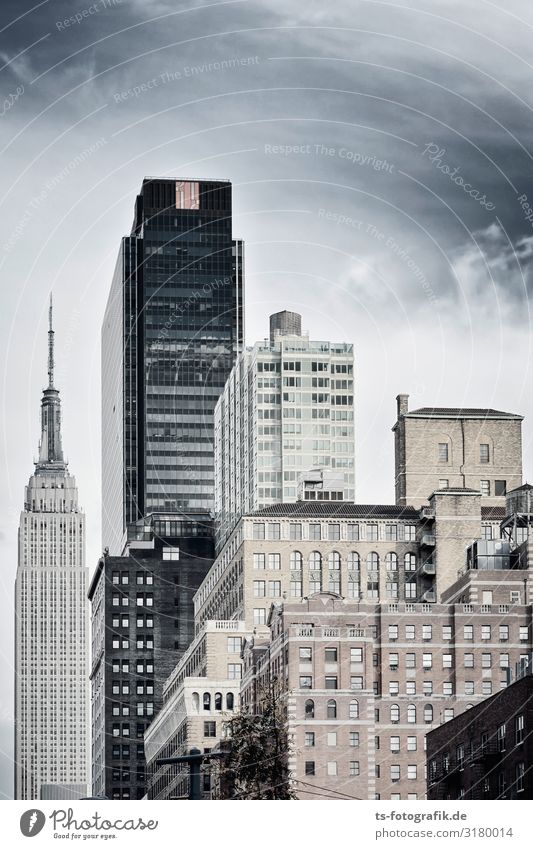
{"points": [[50, 448], [50, 347]]}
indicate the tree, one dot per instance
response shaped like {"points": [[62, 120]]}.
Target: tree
{"points": [[256, 766]]}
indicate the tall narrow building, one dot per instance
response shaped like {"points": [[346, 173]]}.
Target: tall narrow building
{"points": [[172, 329], [51, 632]]}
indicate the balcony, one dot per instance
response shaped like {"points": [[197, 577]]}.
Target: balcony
{"points": [[428, 568], [429, 595], [427, 540]]}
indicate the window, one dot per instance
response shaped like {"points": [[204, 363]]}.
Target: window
{"points": [[259, 616], [410, 589], [444, 483], [314, 531], [353, 738], [259, 561], [309, 709], [427, 631], [427, 660], [234, 671], [274, 589], [395, 744], [170, 553], [274, 561], [501, 737], [309, 767], [443, 452], [504, 661], [519, 729], [356, 655], [372, 532], [309, 739], [484, 488], [393, 660], [409, 533], [393, 632], [469, 688], [306, 654], [394, 688], [296, 560], [485, 632], [448, 714], [486, 660], [500, 487], [484, 453], [330, 655], [331, 709], [411, 713], [486, 688], [210, 729], [468, 632], [354, 709], [410, 660], [332, 738], [469, 660], [411, 772], [504, 633], [331, 682], [354, 767], [524, 633], [259, 589], [259, 530], [409, 632], [234, 645], [391, 533], [394, 713], [230, 701], [411, 744], [356, 682], [520, 771], [306, 682], [410, 688], [332, 768], [391, 561], [334, 532], [352, 533], [409, 562], [427, 688], [486, 532], [295, 530], [395, 772], [273, 530]]}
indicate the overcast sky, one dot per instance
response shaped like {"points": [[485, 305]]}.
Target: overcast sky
{"points": [[382, 162]]}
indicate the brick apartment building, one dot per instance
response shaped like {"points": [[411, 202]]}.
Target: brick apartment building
{"points": [[487, 751]]}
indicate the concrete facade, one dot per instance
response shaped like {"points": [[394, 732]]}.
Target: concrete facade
{"points": [[437, 448]]}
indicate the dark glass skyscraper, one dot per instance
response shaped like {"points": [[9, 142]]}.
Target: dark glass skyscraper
{"points": [[172, 329]]}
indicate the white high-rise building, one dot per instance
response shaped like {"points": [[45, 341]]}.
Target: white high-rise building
{"points": [[52, 727], [287, 410]]}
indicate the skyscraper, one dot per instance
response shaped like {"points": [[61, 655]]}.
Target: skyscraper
{"points": [[51, 612], [287, 409], [172, 329]]}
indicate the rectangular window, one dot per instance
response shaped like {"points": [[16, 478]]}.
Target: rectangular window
{"points": [[259, 589], [353, 738], [394, 688], [410, 688], [210, 729], [524, 633], [314, 531], [409, 632], [395, 744], [234, 671], [427, 660], [259, 530], [295, 531], [234, 645], [447, 688], [427, 631], [354, 767], [332, 768], [484, 453], [356, 682], [356, 655], [306, 654], [484, 488], [469, 660], [334, 532], [485, 632], [170, 553], [469, 688], [486, 688], [500, 487], [393, 632], [306, 682], [330, 655], [504, 633], [468, 632], [410, 660], [519, 729], [444, 483], [372, 533], [259, 616], [332, 738], [411, 772], [309, 739], [309, 767], [352, 532], [443, 452], [411, 744], [259, 561], [274, 589], [486, 660], [331, 682], [446, 661], [395, 772]]}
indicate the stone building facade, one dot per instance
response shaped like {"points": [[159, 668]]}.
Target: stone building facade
{"points": [[199, 697], [442, 447]]}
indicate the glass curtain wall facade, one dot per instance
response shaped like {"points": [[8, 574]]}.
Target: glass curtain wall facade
{"points": [[172, 329]]}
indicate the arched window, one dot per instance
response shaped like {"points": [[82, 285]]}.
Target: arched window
{"points": [[309, 709], [230, 701], [372, 575], [207, 701], [218, 701], [332, 709], [354, 709], [394, 713], [409, 562], [315, 572], [296, 560], [354, 562], [334, 577], [411, 713], [391, 562], [334, 560], [196, 702], [428, 713]]}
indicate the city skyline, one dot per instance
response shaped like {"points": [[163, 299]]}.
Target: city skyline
{"points": [[346, 143]]}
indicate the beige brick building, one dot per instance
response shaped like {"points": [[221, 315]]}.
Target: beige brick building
{"points": [[437, 448], [199, 697]]}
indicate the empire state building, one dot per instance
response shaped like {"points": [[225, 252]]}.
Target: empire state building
{"points": [[52, 628]]}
